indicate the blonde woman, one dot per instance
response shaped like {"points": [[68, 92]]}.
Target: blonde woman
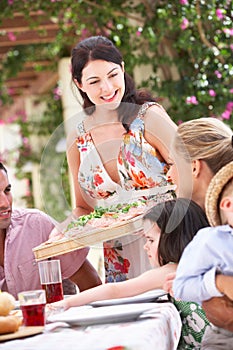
{"points": [[200, 148]]}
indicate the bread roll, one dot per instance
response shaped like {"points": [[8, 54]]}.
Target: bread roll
{"points": [[7, 303], [9, 324]]}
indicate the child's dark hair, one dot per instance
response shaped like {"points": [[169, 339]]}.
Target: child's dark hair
{"points": [[179, 220]]}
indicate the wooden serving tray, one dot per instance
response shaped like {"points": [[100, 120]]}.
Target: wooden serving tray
{"points": [[85, 239], [22, 333]]}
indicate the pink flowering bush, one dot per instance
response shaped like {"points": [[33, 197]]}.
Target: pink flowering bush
{"points": [[212, 93], [11, 36], [190, 40], [187, 43], [184, 24], [192, 100], [184, 2], [220, 13]]}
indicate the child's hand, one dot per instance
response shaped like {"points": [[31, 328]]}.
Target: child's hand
{"points": [[54, 308], [169, 282]]}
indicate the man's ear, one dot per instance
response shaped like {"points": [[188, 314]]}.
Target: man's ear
{"points": [[226, 204], [196, 167]]}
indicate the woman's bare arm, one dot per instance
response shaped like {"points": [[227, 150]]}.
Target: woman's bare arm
{"points": [[159, 130]]}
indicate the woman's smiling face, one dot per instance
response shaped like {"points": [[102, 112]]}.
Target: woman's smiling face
{"points": [[103, 82]]}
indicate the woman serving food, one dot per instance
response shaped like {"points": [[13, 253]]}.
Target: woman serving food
{"points": [[119, 149]]}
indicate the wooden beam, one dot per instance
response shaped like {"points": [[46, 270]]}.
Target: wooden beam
{"points": [[33, 64], [18, 83], [25, 74], [44, 83], [36, 30], [29, 37], [26, 28], [21, 24]]}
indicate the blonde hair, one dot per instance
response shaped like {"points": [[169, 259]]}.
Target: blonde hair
{"points": [[207, 139]]}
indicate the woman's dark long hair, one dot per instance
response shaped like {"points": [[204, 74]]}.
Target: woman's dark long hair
{"points": [[179, 220], [101, 48]]}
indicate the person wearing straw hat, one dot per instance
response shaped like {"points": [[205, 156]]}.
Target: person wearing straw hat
{"points": [[205, 269]]}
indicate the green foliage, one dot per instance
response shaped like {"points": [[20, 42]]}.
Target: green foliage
{"points": [[148, 33], [44, 126], [55, 187], [188, 41]]}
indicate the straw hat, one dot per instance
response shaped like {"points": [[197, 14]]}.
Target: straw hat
{"points": [[214, 190]]}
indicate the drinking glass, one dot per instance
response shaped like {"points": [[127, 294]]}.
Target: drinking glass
{"points": [[32, 303], [51, 280]]}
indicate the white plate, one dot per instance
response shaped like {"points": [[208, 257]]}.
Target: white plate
{"points": [[106, 314], [149, 296]]}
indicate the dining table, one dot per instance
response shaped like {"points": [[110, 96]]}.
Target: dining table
{"points": [[128, 326]]}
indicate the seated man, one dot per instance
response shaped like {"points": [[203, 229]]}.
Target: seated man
{"points": [[69, 287], [20, 231]]}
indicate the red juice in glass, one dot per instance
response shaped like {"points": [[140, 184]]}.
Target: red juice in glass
{"points": [[53, 291], [33, 315], [51, 279]]}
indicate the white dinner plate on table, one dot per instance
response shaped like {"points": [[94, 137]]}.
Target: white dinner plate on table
{"points": [[107, 314], [146, 297]]}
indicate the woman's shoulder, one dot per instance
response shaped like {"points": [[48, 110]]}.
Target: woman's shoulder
{"points": [[80, 128], [150, 107], [149, 104], [76, 132], [156, 117], [154, 108]]}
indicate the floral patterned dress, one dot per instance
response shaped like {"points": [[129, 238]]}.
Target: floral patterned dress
{"points": [[139, 168]]}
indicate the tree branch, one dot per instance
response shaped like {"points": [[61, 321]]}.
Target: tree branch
{"points": [[117, 13], [202, 33], [148, 8]]}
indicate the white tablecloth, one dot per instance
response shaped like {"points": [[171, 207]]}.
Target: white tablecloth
{"points": [[160, 331]]}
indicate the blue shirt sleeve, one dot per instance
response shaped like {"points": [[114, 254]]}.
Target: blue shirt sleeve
{"points": [[209, 252]]}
